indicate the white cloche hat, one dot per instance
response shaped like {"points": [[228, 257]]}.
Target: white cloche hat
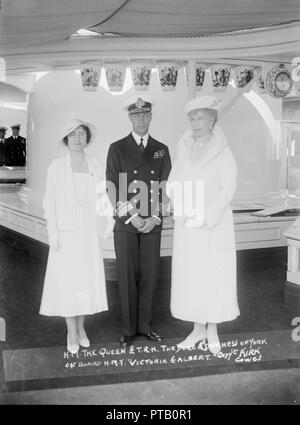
{"points": [[75, 123]]}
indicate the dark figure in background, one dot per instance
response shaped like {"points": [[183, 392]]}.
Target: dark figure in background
{"points": [[3, 131], [133, 162], [16, 148]]}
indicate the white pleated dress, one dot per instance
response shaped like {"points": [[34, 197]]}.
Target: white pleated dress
{"points": [[75, 281]]}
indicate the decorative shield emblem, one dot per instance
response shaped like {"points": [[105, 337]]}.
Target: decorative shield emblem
{"points": [[90, 76], [279, 81], [168, 74], [199, 75], [242, 75], [220, 75], [141, 74], [115, 75]]}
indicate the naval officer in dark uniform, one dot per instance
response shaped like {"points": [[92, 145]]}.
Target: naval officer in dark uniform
{"points": [[3, 131], [137, 169], [16, 148]]}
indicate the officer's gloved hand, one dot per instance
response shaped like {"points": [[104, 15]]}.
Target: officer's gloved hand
{"points": [[149, 225], [138, 222]]}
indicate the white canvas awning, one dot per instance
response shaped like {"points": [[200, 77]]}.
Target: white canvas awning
{"points": [[35, 33]]}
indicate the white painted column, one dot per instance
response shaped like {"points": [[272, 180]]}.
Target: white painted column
{"points": [[292, 234], [192, 78]]}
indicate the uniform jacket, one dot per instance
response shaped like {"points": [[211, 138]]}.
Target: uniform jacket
{"points": [[150, 167], [59, 199], [15, 151], [2, 153]]}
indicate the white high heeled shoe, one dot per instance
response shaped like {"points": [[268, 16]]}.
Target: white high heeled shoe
{"points": [[72, 348], [84, 342], [191, 342], [213, 343]]}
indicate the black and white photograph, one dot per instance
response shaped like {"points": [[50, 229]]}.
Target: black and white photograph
{"points": [[150, 205], [13, 132]]}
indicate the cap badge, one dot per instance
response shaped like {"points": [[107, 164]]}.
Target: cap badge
{"points": [[140, 103]]}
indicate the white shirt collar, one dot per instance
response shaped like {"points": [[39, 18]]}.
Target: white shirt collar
{"points": [[138, 138]]}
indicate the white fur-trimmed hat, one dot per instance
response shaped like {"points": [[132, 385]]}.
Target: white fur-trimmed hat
{"points": [[75, 123], [202, 102]]}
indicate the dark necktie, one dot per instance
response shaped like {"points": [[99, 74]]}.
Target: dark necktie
{"points": [[142, 148]]}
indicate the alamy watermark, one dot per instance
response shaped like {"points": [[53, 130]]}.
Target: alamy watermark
{"points": [[185, 197], [296, 331]]}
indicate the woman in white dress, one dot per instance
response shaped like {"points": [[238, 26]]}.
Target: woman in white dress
{"points": [[204, 257], [74, 283]]}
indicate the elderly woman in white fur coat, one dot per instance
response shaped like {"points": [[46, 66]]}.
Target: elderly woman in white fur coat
{"points": [[204, 257]]}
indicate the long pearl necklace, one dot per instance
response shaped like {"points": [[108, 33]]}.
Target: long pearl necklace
{"points": [[79, 169], [78, 200], [78, 166]]}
